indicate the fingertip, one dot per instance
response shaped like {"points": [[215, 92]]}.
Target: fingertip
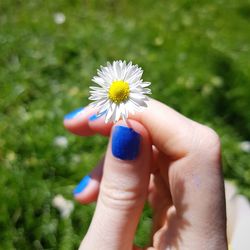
{"points": [[73, 113], [87, 190], [97, 124], [82, 185], [77, 121]]}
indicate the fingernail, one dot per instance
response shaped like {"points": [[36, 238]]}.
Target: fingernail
{"points": [[73, 114], [82, 185], [93, 117], [97, 116], [125, 143]]}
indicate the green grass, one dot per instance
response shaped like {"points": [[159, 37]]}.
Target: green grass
{"points": [[195, 53]]}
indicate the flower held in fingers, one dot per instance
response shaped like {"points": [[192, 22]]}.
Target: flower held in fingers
{"points": [[120, 90]]}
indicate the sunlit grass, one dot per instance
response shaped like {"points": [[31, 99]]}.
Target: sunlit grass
{"points": [[196, 54]]}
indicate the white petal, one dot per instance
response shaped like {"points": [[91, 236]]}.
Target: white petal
{"points": [[139, 89], [96, 88], [145, 84], [146, 91], [128, 69], [109, 115], [131, 107], [105, 107], [105, 75], [124, 117], [134, 78], [124, 110], [100, 102], [136, 104], [93, 98], [117, 70], [97, 92], [112, 118], [123, 70], [98, 97], [136, 96], [100, 81], [111, 71], [117, 113], [113, 105], [101, 91], [95, 103], [139, 102], [137, 83]]}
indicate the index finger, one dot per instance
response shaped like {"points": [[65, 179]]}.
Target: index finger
{"points": [[168, 128]]}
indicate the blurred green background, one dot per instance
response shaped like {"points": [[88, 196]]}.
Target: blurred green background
{"points": [[195, 53]]}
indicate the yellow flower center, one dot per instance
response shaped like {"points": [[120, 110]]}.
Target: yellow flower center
{"points": [[119, 91]]}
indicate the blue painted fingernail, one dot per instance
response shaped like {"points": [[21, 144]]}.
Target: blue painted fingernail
{"points": [[93, 117], [72, 114], [82, 185], [125, 143], [97, 116]]}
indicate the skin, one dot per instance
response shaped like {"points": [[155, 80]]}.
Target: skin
{"points": [[180, 176]]}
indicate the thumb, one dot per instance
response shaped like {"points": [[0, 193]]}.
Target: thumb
{"points": [[123, 189]]}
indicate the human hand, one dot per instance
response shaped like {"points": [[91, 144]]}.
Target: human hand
{"points": [[180, 176]]}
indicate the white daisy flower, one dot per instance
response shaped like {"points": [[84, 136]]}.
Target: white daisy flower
{"points": [[120, 90], [64, 206], [59, 18]]}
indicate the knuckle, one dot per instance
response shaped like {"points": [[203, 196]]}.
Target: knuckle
{"points": [[208, 141], [212, 138], [120, 198]]}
